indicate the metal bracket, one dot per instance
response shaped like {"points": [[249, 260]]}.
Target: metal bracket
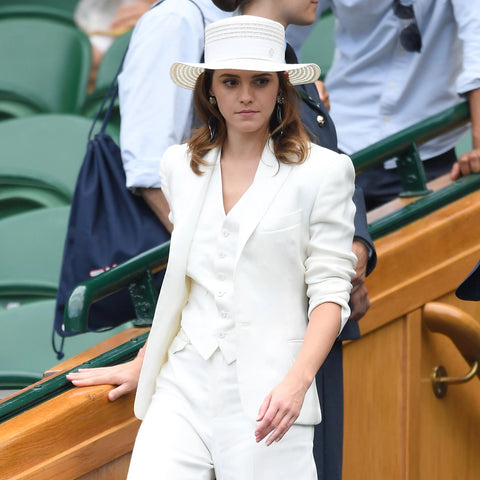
{"points": [[144, 297], [412, 174], [440, 381]]}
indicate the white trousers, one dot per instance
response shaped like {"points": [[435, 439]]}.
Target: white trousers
{"points": [[196, 429]]}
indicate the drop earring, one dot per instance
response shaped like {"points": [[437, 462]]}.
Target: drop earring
{"points": [[212, 127], [280, 102], [212, 100]]}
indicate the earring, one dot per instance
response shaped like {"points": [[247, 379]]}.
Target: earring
{"points": [[212, 127], [280, 102], [212, 100]]}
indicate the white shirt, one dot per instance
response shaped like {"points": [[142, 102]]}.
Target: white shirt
{"points": [[155, 112], [377, 88]]}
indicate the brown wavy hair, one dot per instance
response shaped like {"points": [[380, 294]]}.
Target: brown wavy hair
{"points": [[290, 141]]}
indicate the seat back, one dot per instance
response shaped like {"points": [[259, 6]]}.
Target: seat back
{"points": [[41, 156], [25, 343], [32, 248], [44, 59]]}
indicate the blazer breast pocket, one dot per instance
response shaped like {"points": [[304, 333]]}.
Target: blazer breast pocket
{"points": [[274, 224]]}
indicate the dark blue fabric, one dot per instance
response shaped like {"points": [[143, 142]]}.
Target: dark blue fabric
{"points": [[469, 289], [108, 225]]}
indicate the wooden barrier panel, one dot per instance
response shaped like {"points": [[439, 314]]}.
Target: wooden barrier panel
{"points": [[78, 434], [395, 427]]}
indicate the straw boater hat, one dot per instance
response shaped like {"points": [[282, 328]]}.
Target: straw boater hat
{"points": [[244, 42]]}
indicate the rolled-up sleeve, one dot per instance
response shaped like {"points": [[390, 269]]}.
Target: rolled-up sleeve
{"points": [[330, 261]]}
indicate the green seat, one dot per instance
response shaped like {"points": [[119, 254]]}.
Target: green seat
{"points": [[40, 157], [66, 7], [32, 248], [45, 60], [106, 73], [38, 9], [14, 104], [25, 343], [319, 47]]}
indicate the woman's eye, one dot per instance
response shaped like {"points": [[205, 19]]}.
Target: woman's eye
{"points": [[263, 81], [229, 83]]}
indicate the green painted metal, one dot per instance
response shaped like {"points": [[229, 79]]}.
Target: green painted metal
{"points": [[411, 173], [418, 133], [94, 289], [425, 205], [52, 387], [144, 297]]}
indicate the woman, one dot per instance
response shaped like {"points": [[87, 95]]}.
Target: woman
{"points": [[263, 223]]}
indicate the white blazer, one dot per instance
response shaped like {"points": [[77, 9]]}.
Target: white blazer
{"points": [[295, 252]]}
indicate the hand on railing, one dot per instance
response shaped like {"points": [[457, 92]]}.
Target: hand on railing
{"points": [[124, 376], [468, 163]]}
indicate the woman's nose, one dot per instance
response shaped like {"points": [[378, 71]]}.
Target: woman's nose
{"points": [[245, 94]]}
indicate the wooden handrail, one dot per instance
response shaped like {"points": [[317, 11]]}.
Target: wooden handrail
{"points": [[462, 329]]}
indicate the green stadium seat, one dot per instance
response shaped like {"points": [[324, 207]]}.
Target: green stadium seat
{"points": [[45, 60], [21, 8], [14, 104], [16, 199], [25, 343], [40, 157], [32, 248], [319, 47], [64, 6], [106, 72]]}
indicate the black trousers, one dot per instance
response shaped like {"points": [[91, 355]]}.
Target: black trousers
{"points": [[381, 185]]}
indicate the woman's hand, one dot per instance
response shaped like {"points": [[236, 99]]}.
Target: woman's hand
{"points": [[124, 377], [280, 409]]}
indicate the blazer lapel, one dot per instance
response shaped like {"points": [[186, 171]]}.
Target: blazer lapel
{"points": [[270, 177], [184, 230]]}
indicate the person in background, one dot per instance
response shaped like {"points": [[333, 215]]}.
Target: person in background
{"points": [[398, 62], [103, 20]]}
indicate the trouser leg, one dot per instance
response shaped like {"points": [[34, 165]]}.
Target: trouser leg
{"points": [[196, 429]]}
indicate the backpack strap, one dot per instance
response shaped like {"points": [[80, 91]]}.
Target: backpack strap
{"points": [[111, 94]]}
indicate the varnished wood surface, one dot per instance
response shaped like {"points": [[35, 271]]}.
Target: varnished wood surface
{"points": [[395, 427]]}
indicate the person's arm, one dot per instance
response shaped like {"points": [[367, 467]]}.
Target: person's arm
{"points": [[282, 405], [470, 162], [328, 274], [158, 203], [124, 376], [155, 112]]}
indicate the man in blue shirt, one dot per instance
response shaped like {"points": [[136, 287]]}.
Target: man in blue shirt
{"points": [[396, 63]]}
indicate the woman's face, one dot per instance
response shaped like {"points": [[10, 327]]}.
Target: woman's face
{"points": [[246, 99]]}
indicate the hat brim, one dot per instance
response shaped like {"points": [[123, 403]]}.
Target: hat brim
{"points": [[185, 74]]}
